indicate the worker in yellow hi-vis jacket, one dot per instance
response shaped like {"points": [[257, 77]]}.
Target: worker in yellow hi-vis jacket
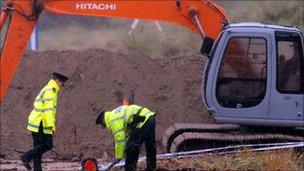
{"points": [[137, 121], [42, 121]]}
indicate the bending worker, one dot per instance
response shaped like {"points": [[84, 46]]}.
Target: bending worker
{"points": [[137, 121], [42, 120]]}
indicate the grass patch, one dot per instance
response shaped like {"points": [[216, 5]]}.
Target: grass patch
{"points": [[268, 160]]}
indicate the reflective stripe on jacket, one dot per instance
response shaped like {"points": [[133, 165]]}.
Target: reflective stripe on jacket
{"points": [[117, 121], [44, 109]]}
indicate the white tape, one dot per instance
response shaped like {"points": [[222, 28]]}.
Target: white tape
{"points": [[212, 151]]}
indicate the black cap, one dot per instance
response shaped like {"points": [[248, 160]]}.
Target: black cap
{"points": [[60, 77], [99, 119]]}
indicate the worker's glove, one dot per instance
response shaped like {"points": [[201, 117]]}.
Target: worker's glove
{"points": [[113, 164]]}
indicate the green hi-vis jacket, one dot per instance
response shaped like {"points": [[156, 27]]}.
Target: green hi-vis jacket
{"points": [[44, 109], [117, 121]]}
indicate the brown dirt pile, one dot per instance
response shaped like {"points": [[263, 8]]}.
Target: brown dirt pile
{"points": [[171, 87]]}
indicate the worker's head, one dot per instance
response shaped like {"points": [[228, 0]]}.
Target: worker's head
{"points": [[100, 119], [128, 99], [60, 79]]}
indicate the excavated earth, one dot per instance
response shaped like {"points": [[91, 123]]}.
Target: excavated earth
{"points": [[171, 87]]}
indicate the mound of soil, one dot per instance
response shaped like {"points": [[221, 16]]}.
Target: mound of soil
{"points": [[171, 87]]}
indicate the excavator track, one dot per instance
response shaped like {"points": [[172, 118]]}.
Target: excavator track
{"points": [[180, 128], [187, 137]]}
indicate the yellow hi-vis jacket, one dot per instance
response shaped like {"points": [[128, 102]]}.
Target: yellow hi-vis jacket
{"points": [[44, 109], [117, 121]]}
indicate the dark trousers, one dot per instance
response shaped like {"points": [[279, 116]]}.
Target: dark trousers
{"points": [[42, 143], [146, 135]]}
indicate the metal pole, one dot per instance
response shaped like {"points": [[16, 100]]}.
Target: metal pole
{"points": [[133, 26], [37, 35], [35, 39], [199, 26], [158, 26]]}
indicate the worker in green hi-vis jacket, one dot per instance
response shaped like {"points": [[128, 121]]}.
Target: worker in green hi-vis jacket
{"points": [[42, 121], [139, 123]]}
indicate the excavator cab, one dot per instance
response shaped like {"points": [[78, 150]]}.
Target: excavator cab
{"points": [[255, 76]]}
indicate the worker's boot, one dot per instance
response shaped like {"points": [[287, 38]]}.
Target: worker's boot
{"points": [[25, 162]]}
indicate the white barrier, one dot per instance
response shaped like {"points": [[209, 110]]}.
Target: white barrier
{"points": [[212, 151]]}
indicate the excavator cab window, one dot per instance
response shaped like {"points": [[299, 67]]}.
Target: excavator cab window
{"points": [[242, 78], [290, 70]]}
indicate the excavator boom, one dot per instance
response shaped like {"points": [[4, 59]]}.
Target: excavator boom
{"points": [[201, 16]]}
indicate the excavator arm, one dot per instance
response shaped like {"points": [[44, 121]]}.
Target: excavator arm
{"points": [[201, 16]]}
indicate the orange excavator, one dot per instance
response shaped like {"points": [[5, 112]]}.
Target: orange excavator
{"points": [[254, 76], [200, 16]]}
